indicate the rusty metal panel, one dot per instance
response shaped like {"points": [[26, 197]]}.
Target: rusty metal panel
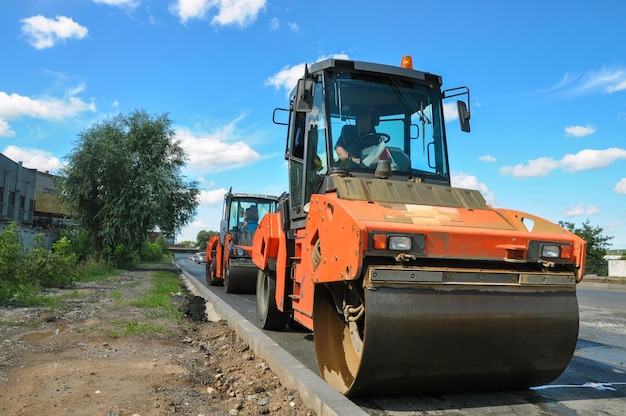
{"points": [[407, 275], [388, 191]]}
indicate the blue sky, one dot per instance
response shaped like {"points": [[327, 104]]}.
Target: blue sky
{"points": [[547, 82]]}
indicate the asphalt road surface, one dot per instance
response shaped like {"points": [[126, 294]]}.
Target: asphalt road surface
{"points": [[593, 384]]}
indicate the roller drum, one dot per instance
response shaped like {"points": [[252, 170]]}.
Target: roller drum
{"points": [[448, 338], [240, 276]]}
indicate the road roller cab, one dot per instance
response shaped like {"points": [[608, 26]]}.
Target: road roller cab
{"points": [[409, 284], [228, 254]]}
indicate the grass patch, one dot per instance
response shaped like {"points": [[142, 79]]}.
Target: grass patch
{"points": [[20, 324], [133, 328], [95, 271], [41, 301], [158, 298], [116, 295]]}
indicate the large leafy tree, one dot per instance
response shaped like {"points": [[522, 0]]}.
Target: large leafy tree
{"points": [[123, 180], [203, 237], [597, 245]]}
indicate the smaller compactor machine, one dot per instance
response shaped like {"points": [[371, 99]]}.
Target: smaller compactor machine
{"points": [[409, 285], [228, 257]]}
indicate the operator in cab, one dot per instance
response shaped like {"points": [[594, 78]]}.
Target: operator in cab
{"points": [[355, 138]]}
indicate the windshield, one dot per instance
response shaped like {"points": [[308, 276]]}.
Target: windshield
{"points": [[245, 214], [372, 118]]}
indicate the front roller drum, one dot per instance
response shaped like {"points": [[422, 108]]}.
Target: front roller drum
{"points": [[425, 340], [240, 277]]}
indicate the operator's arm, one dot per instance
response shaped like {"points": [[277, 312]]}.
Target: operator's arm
{"points": [[341, 152], [345, 147]]}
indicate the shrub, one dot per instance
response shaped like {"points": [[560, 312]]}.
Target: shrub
{"points": [[12, 265], [23, 272], [160, 241], [150, 252]]}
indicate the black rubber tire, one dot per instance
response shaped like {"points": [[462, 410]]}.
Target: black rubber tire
{"points": [[269, 317]]}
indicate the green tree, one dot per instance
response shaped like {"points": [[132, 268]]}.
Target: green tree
{"points": [[188, 244], [203, 237], [124, 179], [597, 245]]}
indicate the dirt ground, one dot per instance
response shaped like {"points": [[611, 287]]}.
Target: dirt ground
{"points": [[77, 361]]}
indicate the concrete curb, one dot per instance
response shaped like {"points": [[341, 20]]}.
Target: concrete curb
{"points": [[314, 391]]}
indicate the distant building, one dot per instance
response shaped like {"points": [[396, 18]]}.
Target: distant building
{"points": [[49, 211], [17, 192], [152, 237], [28, 198]]}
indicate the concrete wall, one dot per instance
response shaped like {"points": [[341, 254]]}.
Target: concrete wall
{"points": [[28, 233], [617, 268]]}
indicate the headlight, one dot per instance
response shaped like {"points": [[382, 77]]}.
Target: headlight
{"points": [[397, 242], [413, 243], [238, 251], [551, 251]]}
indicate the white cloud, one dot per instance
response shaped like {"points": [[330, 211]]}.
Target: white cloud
{"points": [[591, 159], [217, 151], [608, 80], [212, 198], [229, 12], [539, 167], [129, 4], [567, 80], [465, 181], [190, 9], [580, 209], [586, 159], [580, 131], [487, 158], [620, 188], [45, 33], [5, 129], [620, 86], [274, 24], [450, 112], [239, 12], [287, 78], [33, 158], [294, 27], [14, 106]]}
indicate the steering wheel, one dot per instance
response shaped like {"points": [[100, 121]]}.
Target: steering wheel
{"points": [[380, 136]]}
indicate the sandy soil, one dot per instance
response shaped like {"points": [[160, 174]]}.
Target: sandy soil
{"points": [[77, 360]]}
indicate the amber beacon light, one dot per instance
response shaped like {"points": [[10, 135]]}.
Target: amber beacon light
{"points": [[407, 62]]}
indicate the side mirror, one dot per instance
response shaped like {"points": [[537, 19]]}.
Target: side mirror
{"points": [[464, 116], [304, 95]]}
